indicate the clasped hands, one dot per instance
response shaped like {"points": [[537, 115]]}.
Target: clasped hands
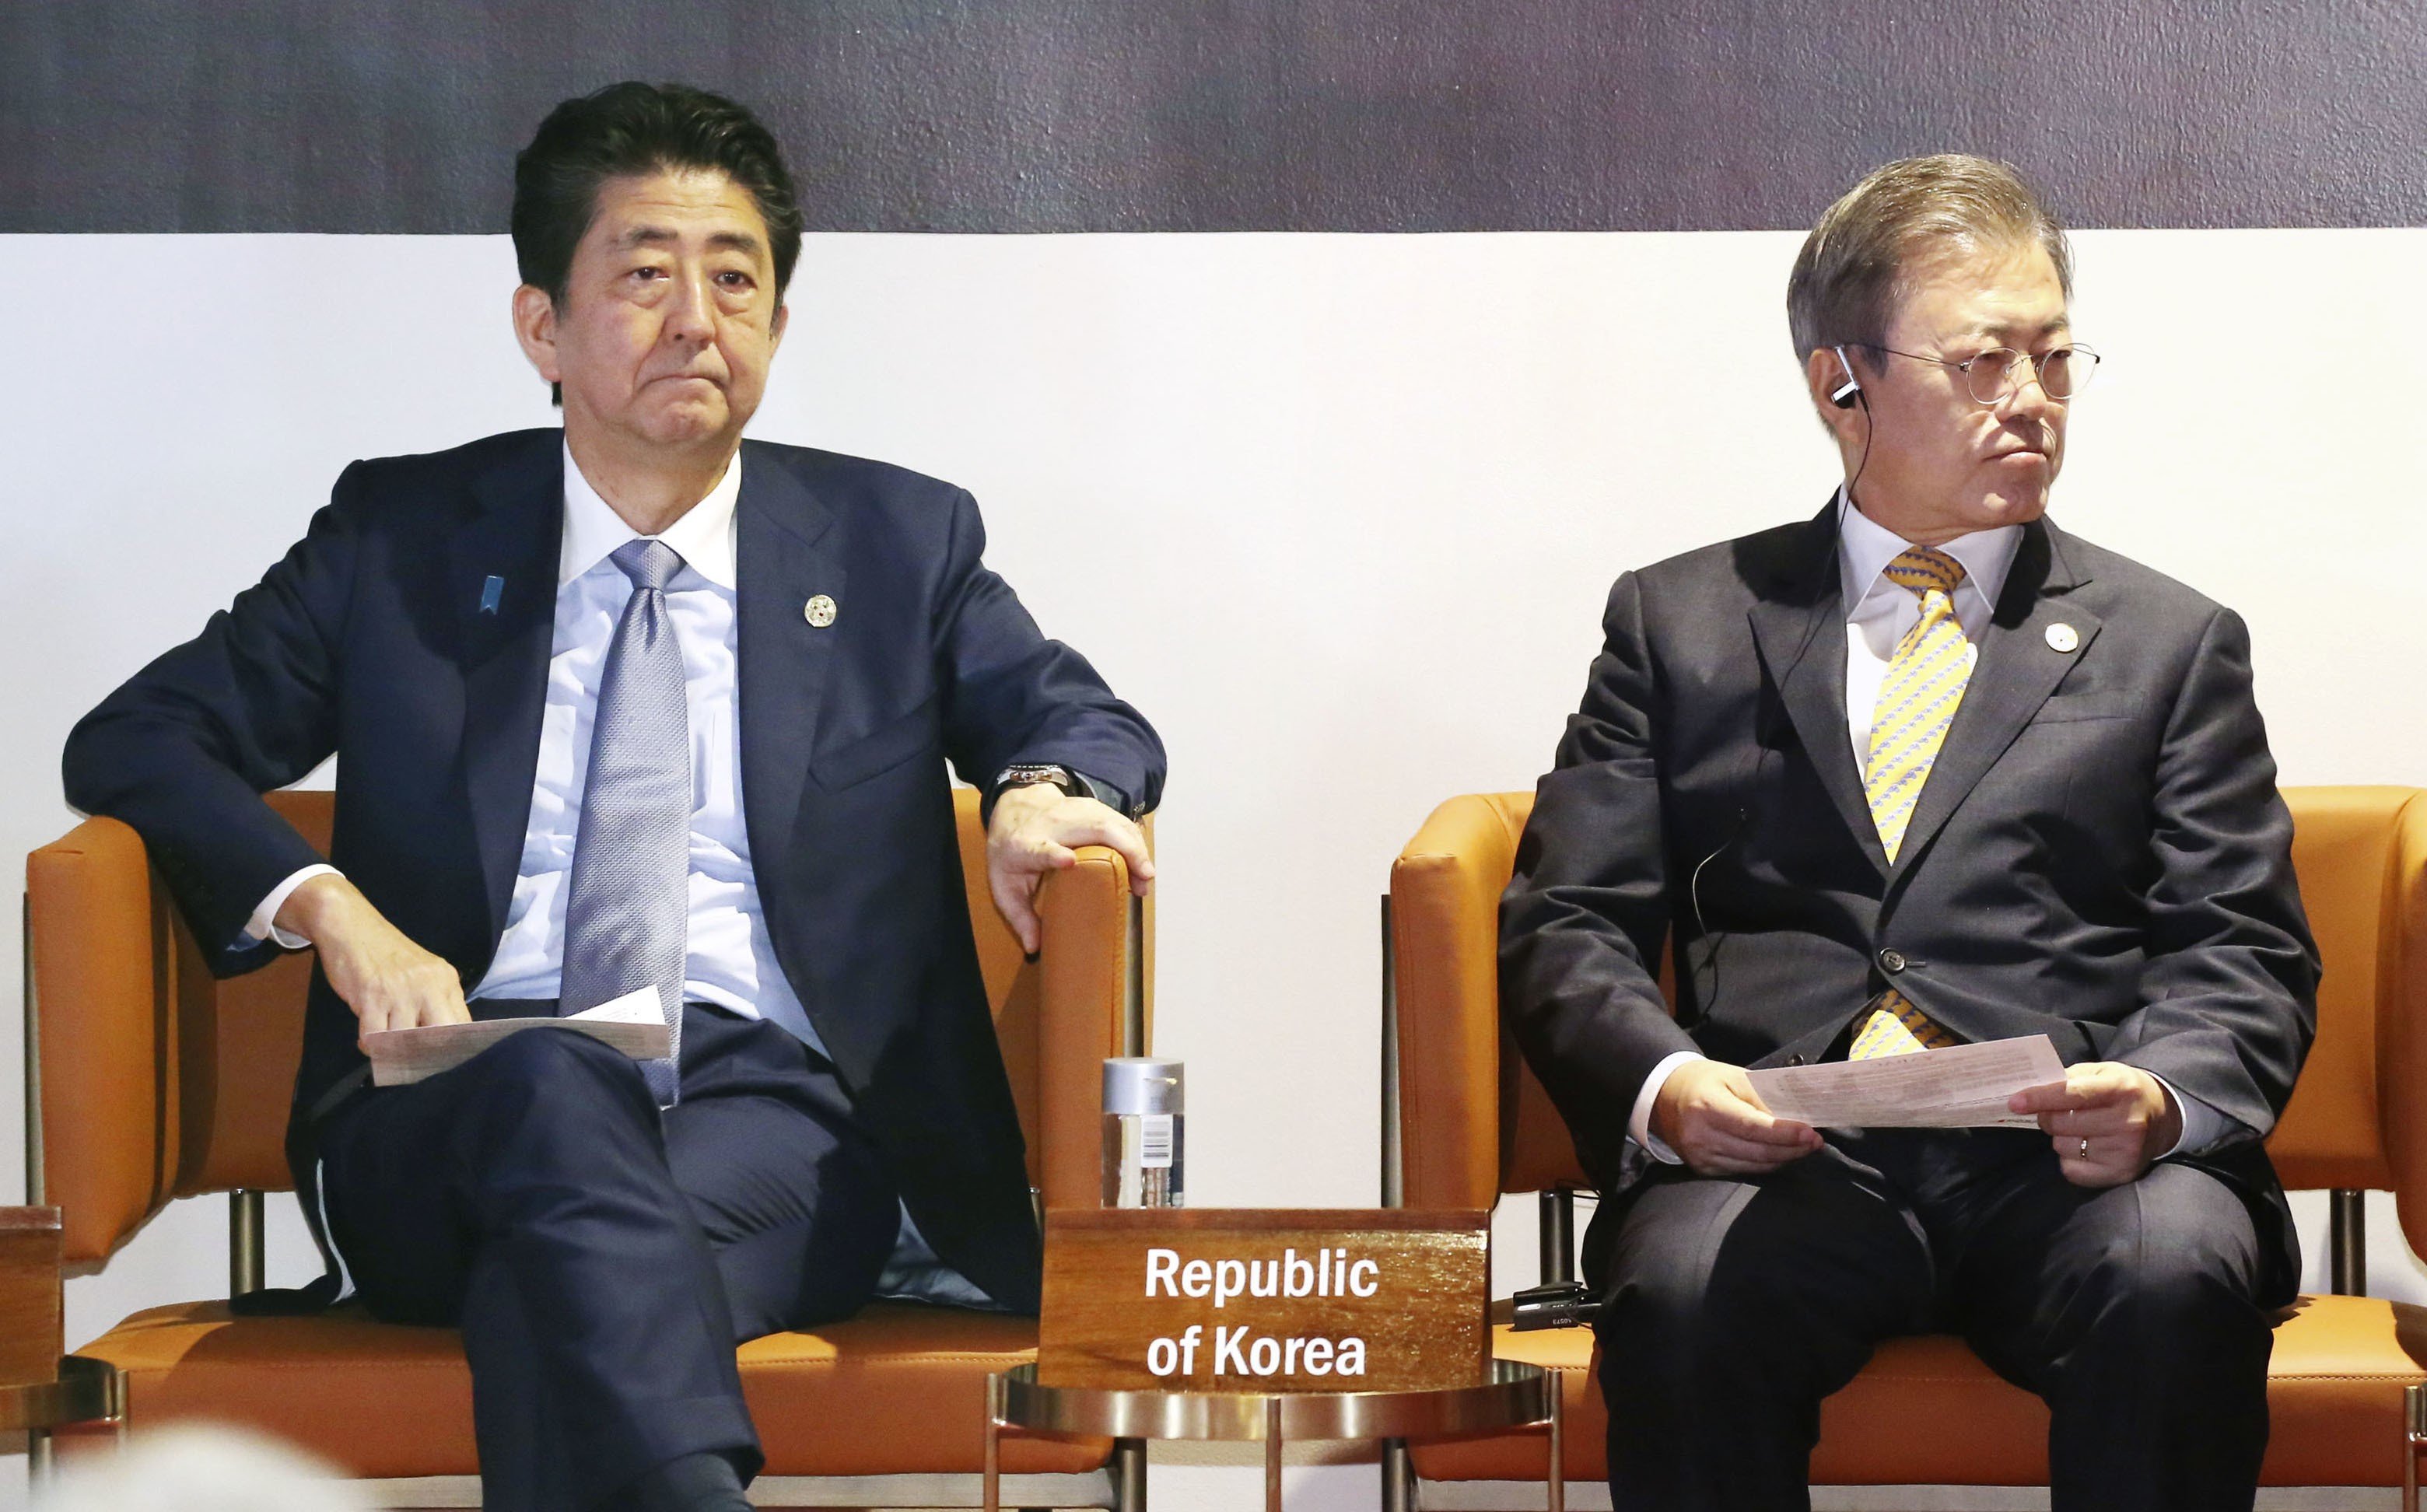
{"points": [[2108, 1122], [392, 982]]}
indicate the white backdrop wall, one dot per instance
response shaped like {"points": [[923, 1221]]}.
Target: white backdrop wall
{"points": [[1337, 513]]}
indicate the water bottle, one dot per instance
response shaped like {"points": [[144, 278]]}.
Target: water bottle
{"points": [[1144, 1127]]}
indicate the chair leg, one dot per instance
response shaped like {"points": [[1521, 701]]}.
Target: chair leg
{"points": [[990, 1474], [1558, 1209], [38, 1468], [1555, 1489], [2413, 1439], [247, 1242], [1128, 1475], [2347, 1242]]}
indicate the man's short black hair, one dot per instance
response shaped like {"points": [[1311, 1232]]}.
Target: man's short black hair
{"points": [[631, 129]]}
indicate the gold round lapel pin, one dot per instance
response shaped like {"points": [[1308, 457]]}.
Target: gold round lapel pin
{"points": [[820, 611], [2060, 637]]}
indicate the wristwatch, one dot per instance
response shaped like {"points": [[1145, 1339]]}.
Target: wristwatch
{"points": [[1027, 775], [1077, 784]]}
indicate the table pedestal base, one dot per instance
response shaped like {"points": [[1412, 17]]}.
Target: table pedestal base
{"points": [[1519, 1395]]}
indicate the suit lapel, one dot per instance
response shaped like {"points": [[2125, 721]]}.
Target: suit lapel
{"points": [[2013, 675], [1799, 627], [782, 561], [506, 636]]}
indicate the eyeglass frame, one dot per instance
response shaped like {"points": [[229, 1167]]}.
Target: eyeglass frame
{"points": [[2013, 385]]}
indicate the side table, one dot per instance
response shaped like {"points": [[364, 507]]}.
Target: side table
{"points": [[1518, 1395], [40, 1389]]}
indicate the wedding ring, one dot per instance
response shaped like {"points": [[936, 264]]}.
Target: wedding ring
{"points": [[2085, 1150]]}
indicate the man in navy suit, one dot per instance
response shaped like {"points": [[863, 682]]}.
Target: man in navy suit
{"points": [[638, 706]]}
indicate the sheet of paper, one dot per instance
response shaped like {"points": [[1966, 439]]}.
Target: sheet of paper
{"points": [[633, 1024], [638, 1006], [1962, 1087]]}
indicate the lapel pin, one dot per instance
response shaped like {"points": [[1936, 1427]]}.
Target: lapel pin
{"points": [[2063, 637], [819, 612], [492, 593]]}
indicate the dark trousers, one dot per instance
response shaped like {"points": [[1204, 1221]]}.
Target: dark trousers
{"points": [[1732, 1307], [603, 1260]]}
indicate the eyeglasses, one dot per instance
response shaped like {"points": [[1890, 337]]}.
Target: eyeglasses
{"points": [[2062, 373]]}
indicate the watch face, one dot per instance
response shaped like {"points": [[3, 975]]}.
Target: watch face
{"points": [[1023, 776]]}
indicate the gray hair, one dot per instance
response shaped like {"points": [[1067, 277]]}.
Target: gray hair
{"points": [[1853, 267]]}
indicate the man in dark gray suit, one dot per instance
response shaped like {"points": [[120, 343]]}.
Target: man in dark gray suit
{"points": [[1923, 770]]}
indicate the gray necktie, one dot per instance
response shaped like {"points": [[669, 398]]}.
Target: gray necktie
{"points": [[626, 916]]}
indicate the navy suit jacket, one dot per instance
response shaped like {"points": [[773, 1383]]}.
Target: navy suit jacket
{"points": [[371, 640], [2099, 853]]}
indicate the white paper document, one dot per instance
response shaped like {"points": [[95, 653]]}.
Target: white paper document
{"points": [[1962, 1087], [633, 1023]]}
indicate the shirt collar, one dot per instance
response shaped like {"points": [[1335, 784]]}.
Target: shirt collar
{"points": [[703, 537], [1865, 548]]}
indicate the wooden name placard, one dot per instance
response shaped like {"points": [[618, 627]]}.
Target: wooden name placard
{"points": [[1317, 1299]]}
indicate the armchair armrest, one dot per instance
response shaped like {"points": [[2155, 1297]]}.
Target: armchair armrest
{"points": [[101, 1035], [1087, 972], [1446, 890], [2402, 1065]]}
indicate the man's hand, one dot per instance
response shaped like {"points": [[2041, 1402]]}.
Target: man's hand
{"points": [[1708, 1112], [389, 981], [2108, 1121], [1036, 830]]}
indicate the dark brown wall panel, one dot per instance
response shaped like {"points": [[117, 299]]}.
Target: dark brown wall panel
{"points": [[1293, 115]]}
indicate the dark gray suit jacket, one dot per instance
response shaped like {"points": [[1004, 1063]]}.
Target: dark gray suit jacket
{"points": [[2099, 853]]}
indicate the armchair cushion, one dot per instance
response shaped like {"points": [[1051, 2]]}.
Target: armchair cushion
{"points": [[2334, 1401], [897, 1389]]}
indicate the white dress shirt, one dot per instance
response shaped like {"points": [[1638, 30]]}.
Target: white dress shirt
{"points": [[729, 960], [1882, 611]]}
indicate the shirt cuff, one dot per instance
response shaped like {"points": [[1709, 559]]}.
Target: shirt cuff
{"points": [[2203, 1126], [1639, 1123], [261, 926]]}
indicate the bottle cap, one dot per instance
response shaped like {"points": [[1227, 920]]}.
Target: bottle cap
{"points": [[1143, 1084]]}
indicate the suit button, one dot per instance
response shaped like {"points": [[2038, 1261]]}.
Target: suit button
{"points": [[1892, 962], [1795, 1059]]}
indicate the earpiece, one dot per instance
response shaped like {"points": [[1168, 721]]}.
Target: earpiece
{"points": [[1844, 395]]}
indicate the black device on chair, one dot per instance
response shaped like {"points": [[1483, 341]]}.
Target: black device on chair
{"points": [[1553, 1305]]}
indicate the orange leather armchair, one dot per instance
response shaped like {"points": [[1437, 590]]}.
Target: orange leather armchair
{"points": [[155, 1081], [1466, 1122]]}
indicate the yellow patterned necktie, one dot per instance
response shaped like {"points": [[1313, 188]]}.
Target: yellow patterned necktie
{"points": [[1918, 696]]}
